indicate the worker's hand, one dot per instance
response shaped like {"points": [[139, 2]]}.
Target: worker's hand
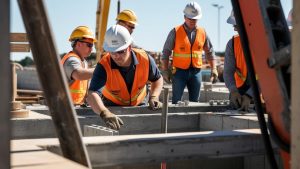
{"points": [[214, 75], [167, 74], [111, 120], [245, 103], [236, 99], [154, 103]]}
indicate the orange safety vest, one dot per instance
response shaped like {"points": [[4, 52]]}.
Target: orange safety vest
{"points": [[115, 88], [78, 88], [184, 53], [240, 74]]}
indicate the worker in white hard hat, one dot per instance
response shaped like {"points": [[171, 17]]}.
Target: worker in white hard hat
{"points": [[120, 77], [186, 42], [235, 71], [75, 64]]}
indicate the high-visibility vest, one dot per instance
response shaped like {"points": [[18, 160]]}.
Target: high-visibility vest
{"points": [[78, 88], [240, 74], [186, 54], [115, 88]]}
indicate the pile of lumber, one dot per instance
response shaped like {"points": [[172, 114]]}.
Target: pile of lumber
{"points": [[30, 96]]}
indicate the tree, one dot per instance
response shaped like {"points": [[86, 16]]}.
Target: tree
{"points": [[27, 61]]}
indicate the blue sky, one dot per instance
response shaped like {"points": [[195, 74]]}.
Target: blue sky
{"points": [[156, 18]]}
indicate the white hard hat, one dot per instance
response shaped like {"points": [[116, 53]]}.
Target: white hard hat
{"points": [[231, 19], [289, 19], [192, 10], [117, 38]]}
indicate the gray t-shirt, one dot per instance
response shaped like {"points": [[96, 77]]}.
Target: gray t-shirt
{"points": [[71, 64]]}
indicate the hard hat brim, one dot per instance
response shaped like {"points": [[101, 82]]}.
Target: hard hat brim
{"points": [[116, 49], [194, 17], [231, 20]]}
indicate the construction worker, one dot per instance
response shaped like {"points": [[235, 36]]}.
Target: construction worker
{"points": [[187, 41], [235, 72], [120, 77], [128, 19], [75, 64]]}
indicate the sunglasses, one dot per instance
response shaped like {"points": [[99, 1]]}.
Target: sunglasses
{"points": [[90, 45], [119, 52], [131, 27]]}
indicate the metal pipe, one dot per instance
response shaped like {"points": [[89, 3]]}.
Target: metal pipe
{"points": [[119, 7], [164, 116]]}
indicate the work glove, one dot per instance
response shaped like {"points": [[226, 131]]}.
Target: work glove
{"points": [[167, 74], [154, 103], [245, 103], [236, 99], [214, 75], [111, 120]]}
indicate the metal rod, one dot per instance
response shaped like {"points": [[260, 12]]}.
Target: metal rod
{"points": [[14, 82], [5, 85], [119, 7], [164, 116], [53, 81]]}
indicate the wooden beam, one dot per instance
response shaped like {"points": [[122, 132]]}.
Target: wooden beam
{"points": [[5, 85], [53, 81], [18, 37], [16, 47], [295, 117]]}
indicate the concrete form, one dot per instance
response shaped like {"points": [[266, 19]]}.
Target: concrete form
{"points": [[214, 139]]}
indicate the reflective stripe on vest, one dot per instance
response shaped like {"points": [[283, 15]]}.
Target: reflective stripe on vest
{"points": [[115, 88], [240, 74], [185, 54], [78, 88]]}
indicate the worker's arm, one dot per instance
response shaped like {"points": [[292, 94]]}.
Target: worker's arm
{"points": [[95, 102], [97, 83], [209, 52], [211, 58], [155, 78], [82, 74], [75, 71], [229, 67], [167, 50]]}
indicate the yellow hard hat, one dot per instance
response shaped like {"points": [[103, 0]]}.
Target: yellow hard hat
{"points": [[128, 16], [82, 32]]}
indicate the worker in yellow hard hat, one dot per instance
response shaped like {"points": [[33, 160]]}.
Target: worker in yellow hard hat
{"points": [[75, 64], [121, 76], [128, 19]]}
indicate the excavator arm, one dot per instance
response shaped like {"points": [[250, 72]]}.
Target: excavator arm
{"points": [[101, 25]]}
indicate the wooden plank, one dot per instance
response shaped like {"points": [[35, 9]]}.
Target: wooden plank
{"points": [[41, 160], [48, 65], [5, 85], [295, 115], [18, 37], [14, 47]]}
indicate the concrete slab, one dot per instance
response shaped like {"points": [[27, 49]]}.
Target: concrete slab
{"points": [[152, 148], [30, 154]]}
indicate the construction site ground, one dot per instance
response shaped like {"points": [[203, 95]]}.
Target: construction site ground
{"points": [[200, 135]]}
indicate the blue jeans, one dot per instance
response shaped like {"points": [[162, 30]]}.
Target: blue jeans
{"points": [[186, 77]]}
